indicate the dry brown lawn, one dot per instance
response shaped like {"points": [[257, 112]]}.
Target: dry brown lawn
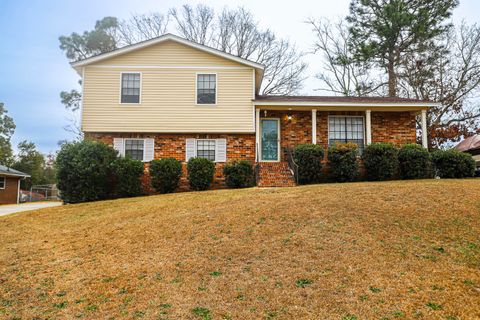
{"points": [[390, 250]]}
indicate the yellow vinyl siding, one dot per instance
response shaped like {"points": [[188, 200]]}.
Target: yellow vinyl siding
{"points": [[168, 100]]}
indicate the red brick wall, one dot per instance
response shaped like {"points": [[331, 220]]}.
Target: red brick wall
{"points": [[395, 127], [239, 147], [9, 194]]}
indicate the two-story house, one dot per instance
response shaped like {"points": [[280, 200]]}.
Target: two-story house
{"points": [[170, 97]]}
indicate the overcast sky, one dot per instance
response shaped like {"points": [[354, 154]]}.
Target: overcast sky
{"points": [[33, 70]]}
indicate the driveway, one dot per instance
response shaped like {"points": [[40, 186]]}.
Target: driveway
{"points": [[13, 208]]}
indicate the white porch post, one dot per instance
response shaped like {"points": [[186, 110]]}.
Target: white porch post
{"points": [[368, 124], [424, 129], [257, 134], [314, 126]]}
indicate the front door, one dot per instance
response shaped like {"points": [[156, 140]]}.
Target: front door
{"points": [[270, 139]]}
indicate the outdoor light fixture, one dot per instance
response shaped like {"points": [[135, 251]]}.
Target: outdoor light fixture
{"points": [[289, 117], [264, 113]]}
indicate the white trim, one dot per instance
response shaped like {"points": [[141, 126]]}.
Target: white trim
{"points": [[314, 126], [344, 116], [346, 104], [424, 129], [257, 134], [254, 90], [196, 89], [168, 67], [125, 149], [279, 156], [368, 126], [140, 92], [4, 183], [214, 151], [162, 39], [81, 101]]}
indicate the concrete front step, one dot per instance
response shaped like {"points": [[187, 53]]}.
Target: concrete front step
{"points": [[275, 174]]}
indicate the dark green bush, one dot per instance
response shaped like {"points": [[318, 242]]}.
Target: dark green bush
{"points": [[309, 160], [84, 171], [453, 164], [239, 174], [200, 173], [342, 162], [165, 174], [127, 177], [414, 162], [380, 161]]}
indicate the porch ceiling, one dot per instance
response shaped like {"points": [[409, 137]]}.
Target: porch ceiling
{"points": [[340, 108]]}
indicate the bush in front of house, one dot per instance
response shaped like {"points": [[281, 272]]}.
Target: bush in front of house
{"points": [[380, 161], [414, 162], [453, 164], [239, 174], [165, 174], [127, 177], [200, 173], [84, 171], [342, 162], [309, 160]]}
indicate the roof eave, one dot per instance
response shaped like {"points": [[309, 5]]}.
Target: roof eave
{"points": [[345, 104]]}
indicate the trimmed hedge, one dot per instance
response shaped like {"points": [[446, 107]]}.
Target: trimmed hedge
{"points": [[200, 173], [84, 171], [165, 174], [414, 162], [380, 161], [239, 174], [453, 164], [343, 164], [127, 173], [309, 160]]}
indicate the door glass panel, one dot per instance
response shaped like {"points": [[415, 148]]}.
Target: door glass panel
{"points": [[269, 140]]}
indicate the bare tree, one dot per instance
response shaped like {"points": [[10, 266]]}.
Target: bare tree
{"points": [[194, 23], [341, 75], [141, 27]]}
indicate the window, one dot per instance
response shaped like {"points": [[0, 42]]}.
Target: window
{"points": [[346, 129], [134, 148], [130, 88], [206, 88], [206, 149], [2, 182]]}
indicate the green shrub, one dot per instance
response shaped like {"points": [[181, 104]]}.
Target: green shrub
{"points": [[127, 177], [380, 161], [165, 174], [414, 162], [200, 173], [239, 174], [342, 162], [309, 160], [453, 164], [84, 171]]}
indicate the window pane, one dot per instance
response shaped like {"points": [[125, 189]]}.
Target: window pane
{"points": [[206, 88], [206, 149], [346, 129], [134, 148], [130, 88]]}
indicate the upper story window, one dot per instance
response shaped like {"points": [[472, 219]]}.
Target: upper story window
{"points": [[130, 88], [346, 129], [2, 182], [206, 149], [134, 148], [206, 88]]}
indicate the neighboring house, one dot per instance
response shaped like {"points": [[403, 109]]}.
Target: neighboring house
{"points": [[10, 185], [471, 145], [170, 97]]}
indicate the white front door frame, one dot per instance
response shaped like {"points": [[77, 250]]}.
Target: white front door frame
{"points": [[278, 140]]}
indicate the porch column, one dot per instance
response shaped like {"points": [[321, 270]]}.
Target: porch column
{"points": [[368, 124], [257, 134], [424, 129], [314, 126]]}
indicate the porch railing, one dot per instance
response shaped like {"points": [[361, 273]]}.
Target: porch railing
{"points": [[292, 164]]}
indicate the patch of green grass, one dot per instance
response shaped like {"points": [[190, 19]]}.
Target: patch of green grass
{"points": [[439, 249], [434, 306], [437, 288], [123, 291], [138, 314], [350, 317], [61, 294], [451, 318], [215, 273], [91, 307], [204, 313], [468, 282], [202, 289], [302, 283], [363, 297], [108, 279], [60, 305], [399, 314], [374, 289]]}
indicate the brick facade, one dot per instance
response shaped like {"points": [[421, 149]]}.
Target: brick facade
{"points": [[10, 193]]}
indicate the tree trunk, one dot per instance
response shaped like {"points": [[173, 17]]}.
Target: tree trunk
{"points": [[392, 77]]}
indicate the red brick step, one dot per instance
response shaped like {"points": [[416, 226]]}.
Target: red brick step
{"points": [[275, 174]]}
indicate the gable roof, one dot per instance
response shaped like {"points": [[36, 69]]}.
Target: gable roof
{"points": [[160, 39], [6, 171], [339, 100]]}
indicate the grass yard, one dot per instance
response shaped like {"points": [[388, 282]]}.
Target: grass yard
{"points": [[389, 250]]}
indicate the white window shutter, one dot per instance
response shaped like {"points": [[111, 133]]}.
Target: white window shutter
{"points": [[220, 150], [190, 149], [119, 146], [149, 150]]}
